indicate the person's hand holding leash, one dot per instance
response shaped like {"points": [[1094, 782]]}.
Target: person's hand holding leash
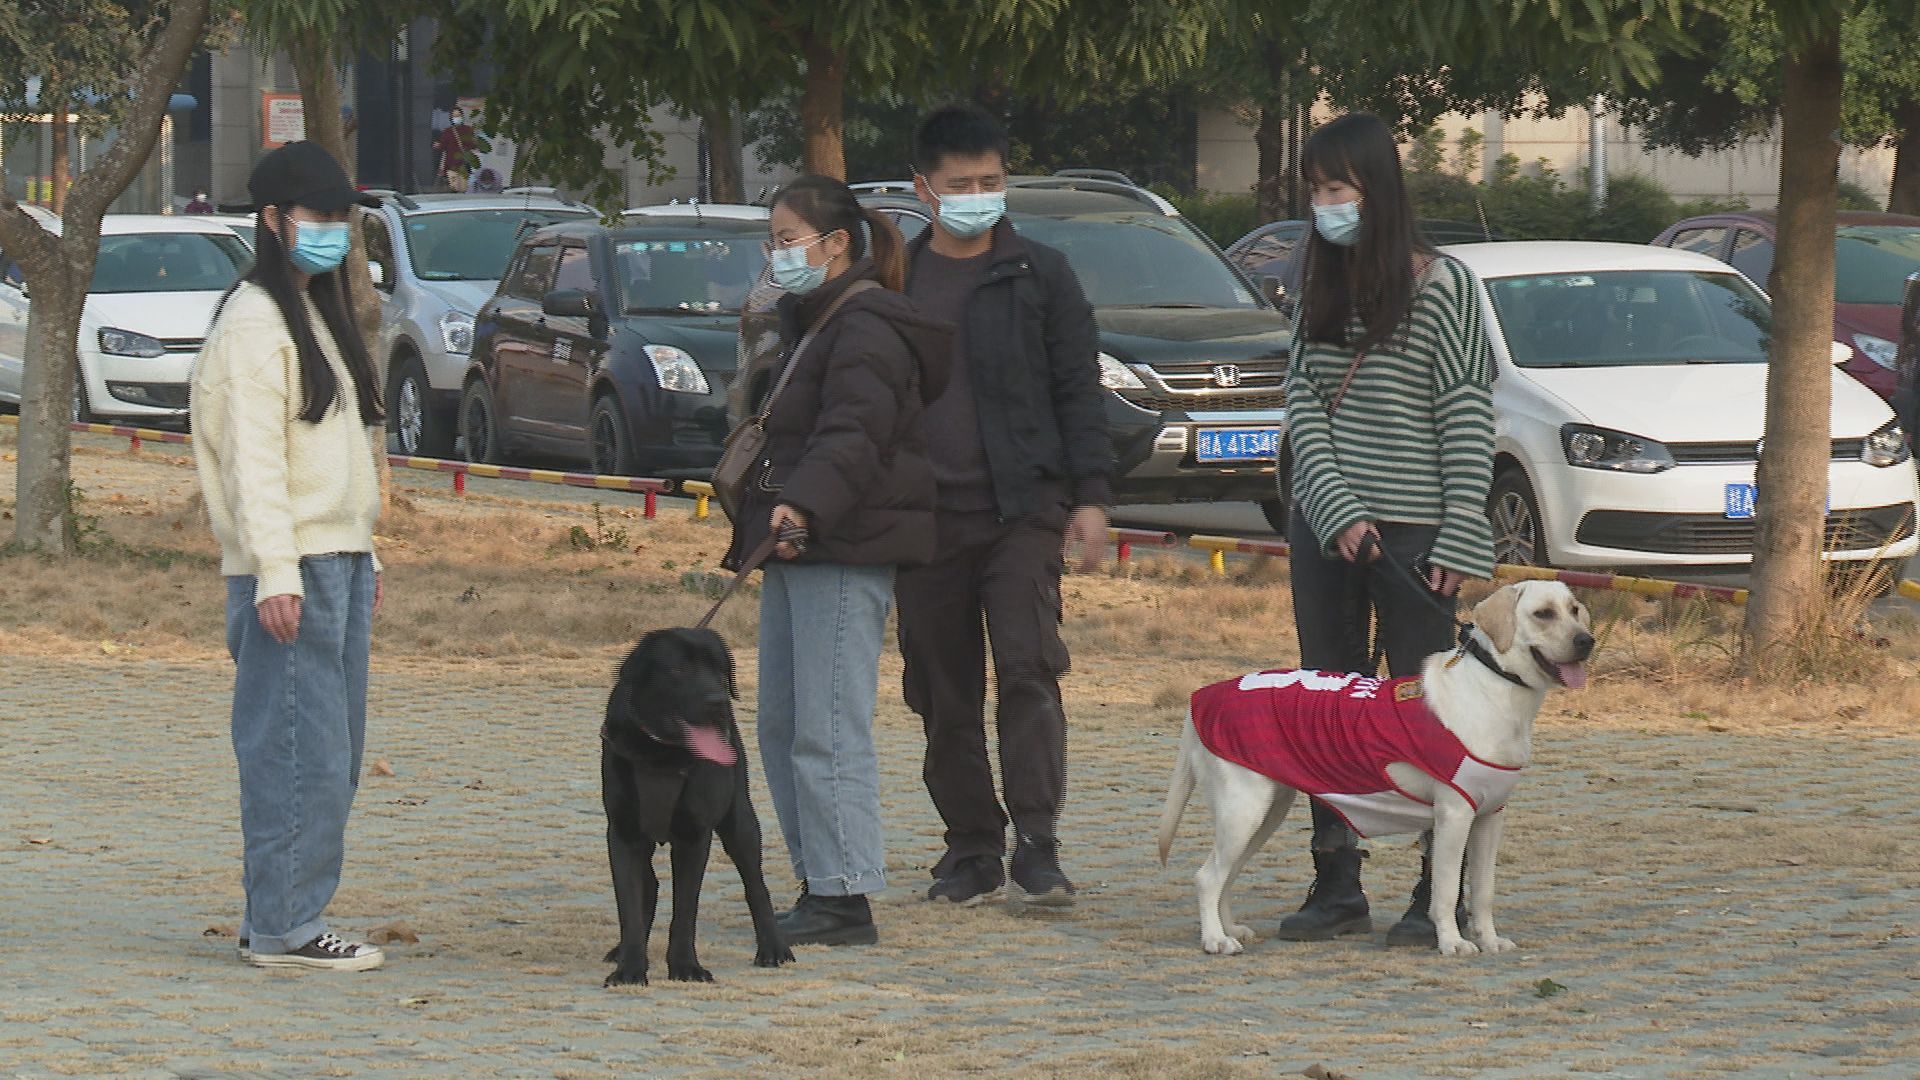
{"points": [[1360, 543], [280, 617], [1087, 530], [790, 525]]}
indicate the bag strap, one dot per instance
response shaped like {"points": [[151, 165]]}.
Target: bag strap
{"points": [[759, 555], [793, 359], [1420, 282]]}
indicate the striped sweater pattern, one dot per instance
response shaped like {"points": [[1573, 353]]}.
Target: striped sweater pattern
{"points": [[1412, 441]]}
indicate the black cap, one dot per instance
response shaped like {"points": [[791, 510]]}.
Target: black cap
{"points": [[303, 174]]}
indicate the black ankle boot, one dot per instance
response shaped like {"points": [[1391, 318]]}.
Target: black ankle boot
{"points": [[829, 920], [1335, 904], [1416, 926]]}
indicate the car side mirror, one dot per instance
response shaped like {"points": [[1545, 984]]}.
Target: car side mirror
{"points": [[1273, 288], [570, 303]]}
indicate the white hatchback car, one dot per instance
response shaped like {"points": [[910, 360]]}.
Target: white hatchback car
{"points": [[155, 285], [1629, 400]]}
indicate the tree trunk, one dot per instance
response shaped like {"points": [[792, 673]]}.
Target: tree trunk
{"points": [[1269, 138], [313, 65], [725, 178], [58, 272], [1903, 196], [1787, 594], [823, 110], [57, 135]]}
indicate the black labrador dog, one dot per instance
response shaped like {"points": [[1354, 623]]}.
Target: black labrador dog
{"points": [[673, 771]]}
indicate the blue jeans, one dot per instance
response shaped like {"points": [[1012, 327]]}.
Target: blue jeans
{"points": [[299, 727], [821, 628]]}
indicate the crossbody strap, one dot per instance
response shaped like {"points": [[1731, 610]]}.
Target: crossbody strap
{"points": [[793, 358]]}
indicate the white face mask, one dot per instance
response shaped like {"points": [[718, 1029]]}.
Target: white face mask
{"points": [[1338, 223]]}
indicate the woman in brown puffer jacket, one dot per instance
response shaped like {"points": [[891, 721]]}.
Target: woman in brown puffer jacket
{"points": [[845, 460]]}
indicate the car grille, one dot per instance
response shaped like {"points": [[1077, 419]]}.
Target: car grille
{"points": [[1221, 402], [1743, 453], [1711, 534], [1195, 388]]}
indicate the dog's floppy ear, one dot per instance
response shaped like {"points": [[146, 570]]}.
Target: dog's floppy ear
{"points": [[1496, 617]]}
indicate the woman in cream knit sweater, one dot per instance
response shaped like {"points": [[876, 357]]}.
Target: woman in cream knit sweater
{"points": [[285, 405]]}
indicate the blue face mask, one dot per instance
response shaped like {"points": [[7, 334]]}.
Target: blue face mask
{"points": [[1339, 223], [968, 216], [791, 271], [319, 246]]}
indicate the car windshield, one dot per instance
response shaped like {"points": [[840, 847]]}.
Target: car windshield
{"points": [[704, 271], [472, 245], [1624, 318], [1140, 259], [1872, 262], [169, 262]]}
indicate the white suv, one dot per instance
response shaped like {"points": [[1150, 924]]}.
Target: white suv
{"points": [[436, 260]]}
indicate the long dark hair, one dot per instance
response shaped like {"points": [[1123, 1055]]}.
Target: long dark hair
{"points": [[827, 205], [319, 388], [1373, 279]]}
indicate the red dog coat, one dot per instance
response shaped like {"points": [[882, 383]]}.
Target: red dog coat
{"points": [[1333, 735]]}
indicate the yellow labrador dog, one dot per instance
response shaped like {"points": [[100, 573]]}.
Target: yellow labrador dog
{"points": [[1441, 751]]}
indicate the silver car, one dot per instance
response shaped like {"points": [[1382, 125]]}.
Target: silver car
{"points": [[436, 260]]}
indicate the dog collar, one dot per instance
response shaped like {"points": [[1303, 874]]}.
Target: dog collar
{"points": [[1472, 647]]}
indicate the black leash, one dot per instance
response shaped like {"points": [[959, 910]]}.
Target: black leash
{"points": [[1462, 631]]}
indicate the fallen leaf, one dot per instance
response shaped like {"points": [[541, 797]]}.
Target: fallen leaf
{"points": [[380, 768], [392, 932], [220, 931], [1321, 1072], [41, 841], [477, 785], [1547, 988], [109, 648]]}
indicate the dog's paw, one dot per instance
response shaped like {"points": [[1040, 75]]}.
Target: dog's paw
{"points": [[627, 975], [772, 956], [1221, 946], [688, 972], [1493, 943], [1459, 946], [1243, 934], [613, 955]]}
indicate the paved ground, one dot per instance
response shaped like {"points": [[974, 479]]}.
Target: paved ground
{"points": [[1686, 904]]}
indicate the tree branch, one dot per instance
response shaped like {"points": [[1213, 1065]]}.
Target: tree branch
{"points": [[152, 83]]}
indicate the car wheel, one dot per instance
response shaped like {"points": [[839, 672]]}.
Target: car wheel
{"points": [[1518, 539], [415, 429], [612, 443], [1276, 512], [479, 424], [82, 411]]}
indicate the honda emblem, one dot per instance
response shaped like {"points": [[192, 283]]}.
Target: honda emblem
{"points": [[1226, 375]]}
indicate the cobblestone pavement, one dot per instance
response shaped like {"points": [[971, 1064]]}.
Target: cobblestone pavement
{"points": [[1710, 905]]}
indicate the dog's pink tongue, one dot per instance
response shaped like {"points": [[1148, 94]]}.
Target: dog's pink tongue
{"points": [[1572, 676], [709, 744]]}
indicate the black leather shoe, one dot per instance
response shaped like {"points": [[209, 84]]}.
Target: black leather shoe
{"points": [[828, 920], [1335, 905]]}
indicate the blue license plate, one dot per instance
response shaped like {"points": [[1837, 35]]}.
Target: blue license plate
{"points": [[1740, 500], [1237, 444]]}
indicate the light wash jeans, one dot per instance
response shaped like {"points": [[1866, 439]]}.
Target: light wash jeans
{"points": [[299, 727], [821, 629]]}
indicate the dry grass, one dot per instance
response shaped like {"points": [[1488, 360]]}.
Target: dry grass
{"points": [[503, 587]]}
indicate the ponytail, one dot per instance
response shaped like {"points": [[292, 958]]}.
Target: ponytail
{"points": [[889, 249]]}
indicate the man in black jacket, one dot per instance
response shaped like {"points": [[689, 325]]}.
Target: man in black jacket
{"points": [[1022, 461]]}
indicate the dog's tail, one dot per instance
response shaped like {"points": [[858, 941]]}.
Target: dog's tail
{"points": [[1179, 788]]}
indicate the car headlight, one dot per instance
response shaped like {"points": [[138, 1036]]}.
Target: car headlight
{"points": [[1885, 447], [1879, 350], [1599, 448], [127, 343], [676, 370], [1115, 375], [456, 332]]}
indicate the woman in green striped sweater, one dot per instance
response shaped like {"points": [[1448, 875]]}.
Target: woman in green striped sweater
{"points": [[1390, 420]]}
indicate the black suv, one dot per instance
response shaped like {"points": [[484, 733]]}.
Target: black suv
{"points": [[1195, 360], [615, 345]]}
